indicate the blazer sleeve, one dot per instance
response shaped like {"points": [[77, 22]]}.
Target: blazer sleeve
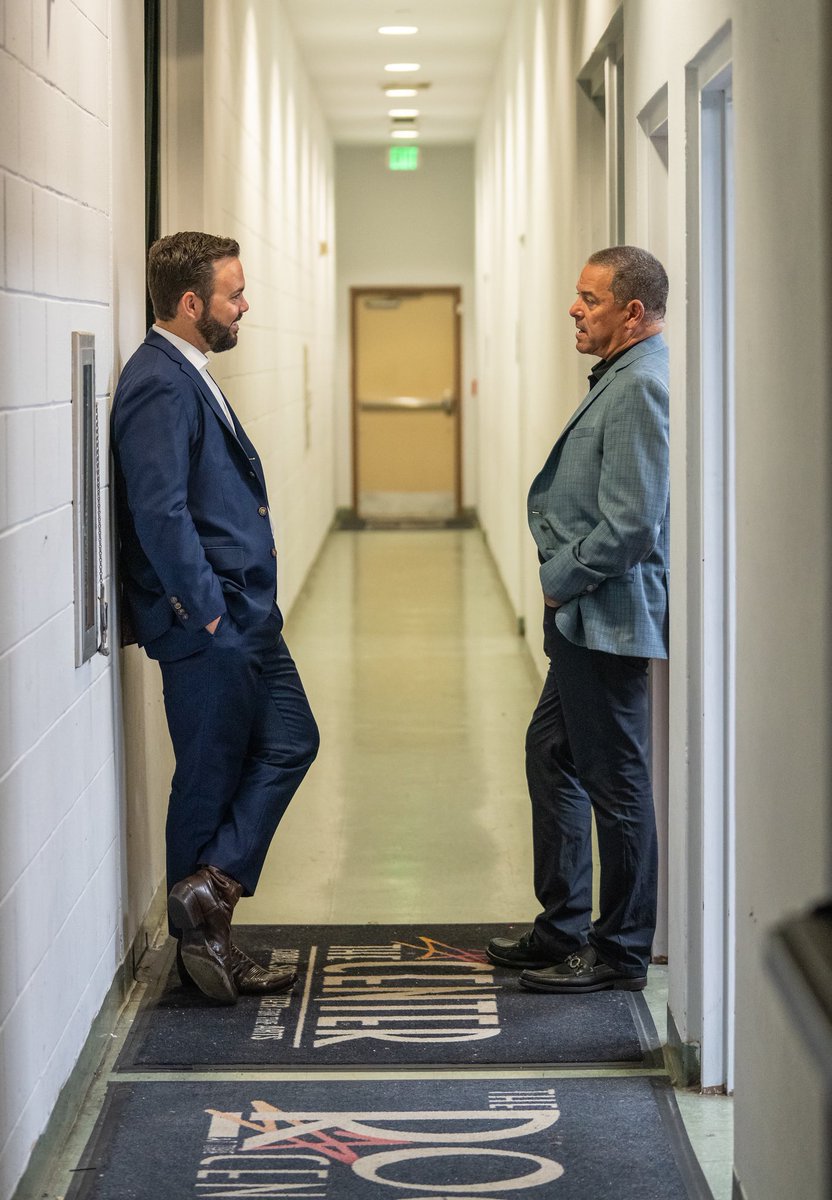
{"points": [[156, 428], [632, 494]]}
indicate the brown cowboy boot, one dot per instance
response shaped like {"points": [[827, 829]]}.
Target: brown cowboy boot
{"points": [[201, 906], [250, 979]]}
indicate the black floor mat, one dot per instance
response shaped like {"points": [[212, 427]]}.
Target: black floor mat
{"points": [[382, 996], [574, 1139]]}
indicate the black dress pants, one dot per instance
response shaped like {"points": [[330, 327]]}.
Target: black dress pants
{"points": [[587, 750]]}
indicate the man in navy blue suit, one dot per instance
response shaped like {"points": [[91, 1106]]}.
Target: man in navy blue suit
{"points": [[198, 563]]}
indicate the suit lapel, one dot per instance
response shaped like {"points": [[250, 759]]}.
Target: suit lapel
{"points": [[641, 348], [240, 438]]}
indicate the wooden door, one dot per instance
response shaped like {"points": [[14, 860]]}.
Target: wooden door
{"points": [[406, 404]]}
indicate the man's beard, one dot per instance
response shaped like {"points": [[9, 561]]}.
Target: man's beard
{"points": [[218, 337]]}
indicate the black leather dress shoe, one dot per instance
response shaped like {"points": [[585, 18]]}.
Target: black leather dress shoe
{"points": [[249, 977], [581, 972], [520, 954], [200, 909]]}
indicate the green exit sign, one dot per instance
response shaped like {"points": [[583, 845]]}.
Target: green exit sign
{"points": [[404, 158]]}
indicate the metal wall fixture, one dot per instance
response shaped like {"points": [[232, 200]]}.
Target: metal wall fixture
{"points": [[90, 600]]}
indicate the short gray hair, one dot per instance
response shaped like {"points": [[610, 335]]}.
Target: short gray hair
{"points": [[637, 275]]}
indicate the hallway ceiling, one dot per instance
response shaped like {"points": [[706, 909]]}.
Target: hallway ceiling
{"points": [[457, 45]]}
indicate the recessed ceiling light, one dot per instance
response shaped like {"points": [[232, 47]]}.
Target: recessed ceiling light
{"points": [[405, 133], [402, 68], [398, 30], [403, 112], [400, 92]]}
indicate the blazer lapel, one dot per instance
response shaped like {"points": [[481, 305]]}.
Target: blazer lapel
{"points": [[207, 395], [241, 439], [249, 451], [645, 347], [588, 399]]}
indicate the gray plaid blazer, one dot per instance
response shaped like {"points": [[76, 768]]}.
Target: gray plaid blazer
{"points": [[599, 510]]}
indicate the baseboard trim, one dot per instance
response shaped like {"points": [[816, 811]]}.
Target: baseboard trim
{"points": [[33, 1184], [348, 519], [682, 1058], [737, 1190]]}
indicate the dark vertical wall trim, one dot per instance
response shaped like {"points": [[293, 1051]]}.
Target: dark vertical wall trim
{"points": [[152, 22]]}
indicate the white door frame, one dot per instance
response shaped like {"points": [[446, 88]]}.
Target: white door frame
{"points": [[710, 531], [652, 160]]}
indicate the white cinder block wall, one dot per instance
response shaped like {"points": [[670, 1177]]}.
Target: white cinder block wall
{"points": [[81, 813], [782, 460], [269, 183], [60, 873]]}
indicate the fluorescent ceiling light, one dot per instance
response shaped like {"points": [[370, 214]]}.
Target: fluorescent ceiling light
{"points": [[403, 112], [400, 92], [405, 133], [398, 30], [402, 68]]}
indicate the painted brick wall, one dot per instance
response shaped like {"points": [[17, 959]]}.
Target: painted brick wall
{"points": [[60, 936], [269, 183]]}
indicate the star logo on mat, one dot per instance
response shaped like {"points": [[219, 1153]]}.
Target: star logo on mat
{"points": [[435, 949], [278, 1126]]}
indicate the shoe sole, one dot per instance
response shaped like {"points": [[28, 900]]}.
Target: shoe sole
{"points": [[203, 965], [566, 989]]}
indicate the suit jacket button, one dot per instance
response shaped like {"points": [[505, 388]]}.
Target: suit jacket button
{"points": [[252, 475], [274, 552], [262, 512]]}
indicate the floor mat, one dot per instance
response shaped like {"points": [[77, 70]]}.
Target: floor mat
{"points": [[386, 996], [608, 1139]]}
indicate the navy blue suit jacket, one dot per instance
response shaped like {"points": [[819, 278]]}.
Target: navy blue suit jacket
{"points": [[196, 538]]}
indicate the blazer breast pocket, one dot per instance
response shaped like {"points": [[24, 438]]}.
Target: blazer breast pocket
{"points": [[579, 441], [579, 452]]}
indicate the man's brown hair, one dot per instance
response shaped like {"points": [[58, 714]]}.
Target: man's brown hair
{"points": [[184, 262]]}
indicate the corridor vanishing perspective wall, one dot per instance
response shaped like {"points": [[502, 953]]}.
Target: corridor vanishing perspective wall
{"points": [[82, 805], [540, 177], [61, 835]]}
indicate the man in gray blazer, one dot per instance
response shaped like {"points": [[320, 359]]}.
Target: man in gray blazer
{"points": [[598, 512]]}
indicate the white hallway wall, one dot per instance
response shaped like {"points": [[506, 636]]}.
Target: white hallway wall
{"points": [[269, 182], [536, 226], [61, 823], [81, 814]]}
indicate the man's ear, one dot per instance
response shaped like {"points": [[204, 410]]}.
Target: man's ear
{"points": [[635, 312], [190, 306]]}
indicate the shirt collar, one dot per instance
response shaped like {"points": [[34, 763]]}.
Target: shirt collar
{"points": [[600, 369], [194, 356]]}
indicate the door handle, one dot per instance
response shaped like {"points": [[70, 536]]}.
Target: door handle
{"points": [[410, 404]]}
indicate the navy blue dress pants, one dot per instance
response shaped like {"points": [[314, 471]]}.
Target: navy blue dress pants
{"points": [[243, 737], [587, 750]]}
